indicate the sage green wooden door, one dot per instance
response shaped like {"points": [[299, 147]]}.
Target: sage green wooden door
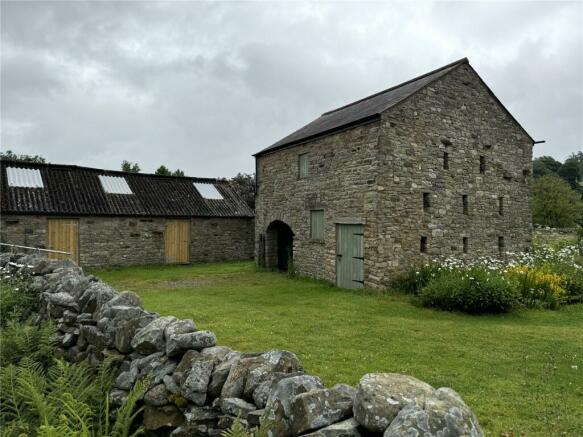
{"points": [[349, 256]]}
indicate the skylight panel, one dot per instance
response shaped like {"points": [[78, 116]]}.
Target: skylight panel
{"points": [[115, 185], [24, 177], [208, 191]]}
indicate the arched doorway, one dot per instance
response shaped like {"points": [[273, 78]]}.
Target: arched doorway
{"points": [[279, 245]]}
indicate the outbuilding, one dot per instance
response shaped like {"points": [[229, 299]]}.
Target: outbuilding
{"points": [[433, 167], [107, 218]]}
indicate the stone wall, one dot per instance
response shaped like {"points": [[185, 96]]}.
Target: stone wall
{"points": [[124, 241], [340, 181], [376, 175], [455, 115], [198, 388]]}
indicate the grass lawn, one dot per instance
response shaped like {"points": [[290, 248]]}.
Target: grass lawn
{"points": [[521, 372]]}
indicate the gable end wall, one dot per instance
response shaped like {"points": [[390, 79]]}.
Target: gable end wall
{"points": [[457, 115]]}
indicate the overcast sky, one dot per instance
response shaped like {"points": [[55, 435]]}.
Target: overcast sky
{"points": [[203, 86]]}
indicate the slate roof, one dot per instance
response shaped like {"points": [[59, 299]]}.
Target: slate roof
{"points": [[367, 109], [73, 190]]}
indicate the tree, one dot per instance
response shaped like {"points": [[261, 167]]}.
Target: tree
{"points": [[572, 170], [244, 185], [163, 171], [545, 165], [9, 155], [555, 204], [130, 167]]}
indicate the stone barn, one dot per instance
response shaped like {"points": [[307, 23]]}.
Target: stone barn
{"points": [[106, 218], [435, 166]]}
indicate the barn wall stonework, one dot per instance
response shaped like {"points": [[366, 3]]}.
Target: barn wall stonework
{"points": [[109, 241], [455, 115], [340, 181], [376, 174]]}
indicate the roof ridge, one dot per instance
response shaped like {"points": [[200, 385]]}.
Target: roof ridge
{"points": [[451, 64], [95, 169]]}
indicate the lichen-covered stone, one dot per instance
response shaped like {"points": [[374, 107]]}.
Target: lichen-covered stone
{"points": [[346, 428], [179, 343], [263, 390], [168, 416], [236, 407], [380, 397], [442, 414], [150, 338], [157, 396], [196, 381], [279, 402], [321, 407]]}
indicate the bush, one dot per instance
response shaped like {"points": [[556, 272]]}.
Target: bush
{"points": [[413, 281], [538, 287], [17, 301], [473, 291]]}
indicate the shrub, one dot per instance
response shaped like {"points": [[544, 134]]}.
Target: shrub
{"points": [[538, 287], [413, 281], [17, 301], [473, 291]]}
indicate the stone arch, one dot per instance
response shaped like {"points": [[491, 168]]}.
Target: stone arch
{"points": [[279, 245]]}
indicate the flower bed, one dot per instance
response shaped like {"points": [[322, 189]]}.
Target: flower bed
{"points": [[545, 278]]}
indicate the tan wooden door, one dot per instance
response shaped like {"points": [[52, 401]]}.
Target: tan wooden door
{"points": [[177, 241], [63, 235]]}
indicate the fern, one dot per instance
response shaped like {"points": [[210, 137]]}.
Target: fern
{"points": [[238, 429], [18, 341], [127, 412]]}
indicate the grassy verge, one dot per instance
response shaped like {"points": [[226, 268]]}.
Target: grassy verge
{"points": [[520, 372]]}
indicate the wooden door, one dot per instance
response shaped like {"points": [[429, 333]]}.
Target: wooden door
{"points": [[177, 241], [63, 235], [349, 256]]}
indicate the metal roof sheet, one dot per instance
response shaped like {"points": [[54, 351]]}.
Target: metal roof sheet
{"points": [[114, 185], [208, 191], [73, 190], [24, 177]]}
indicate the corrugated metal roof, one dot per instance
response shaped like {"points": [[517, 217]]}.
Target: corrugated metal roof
{"points": [[73, 190], [24, 177], [208, 191], [114, 185]]}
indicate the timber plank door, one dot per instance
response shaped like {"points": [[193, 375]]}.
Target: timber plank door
{"points": [[63, 235], [177, 241], [349, 256]]}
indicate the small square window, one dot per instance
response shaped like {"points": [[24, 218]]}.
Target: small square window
{"points": [[303, 166], [465, 204], [426, 202], [317, 224], [500, 205], [423, 245], [482, 164], [465, 243], [445, 161]]}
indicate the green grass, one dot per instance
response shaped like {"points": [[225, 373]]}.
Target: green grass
{"points": [[515, 370]]}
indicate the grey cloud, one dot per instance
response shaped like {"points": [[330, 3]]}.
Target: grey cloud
{"points": [[202, 86]]}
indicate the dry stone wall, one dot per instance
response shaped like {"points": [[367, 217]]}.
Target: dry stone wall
{"points": [[198, 388]]}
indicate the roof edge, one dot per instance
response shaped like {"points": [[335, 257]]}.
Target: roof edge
{"points": [[361, 122], [105, 171], [451, 64]]}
